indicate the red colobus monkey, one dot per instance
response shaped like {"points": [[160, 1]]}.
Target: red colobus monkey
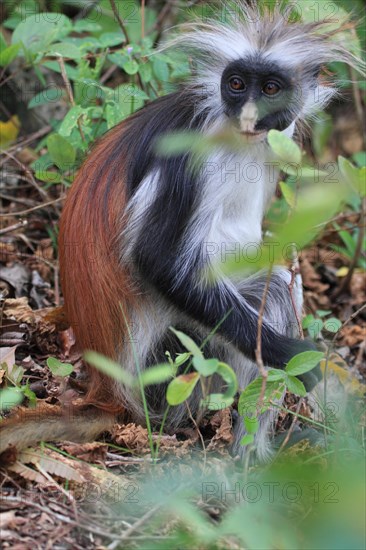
{"points": [[139, 228]]}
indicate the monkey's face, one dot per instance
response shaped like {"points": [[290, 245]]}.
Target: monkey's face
{"points": [[258, 96]]}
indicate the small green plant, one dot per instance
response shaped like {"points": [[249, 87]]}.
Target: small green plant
{"points": [[15, 392]]}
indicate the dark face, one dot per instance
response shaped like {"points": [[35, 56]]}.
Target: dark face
{"points": [[259, 96]]}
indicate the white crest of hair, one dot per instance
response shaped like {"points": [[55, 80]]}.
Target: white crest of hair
{"points": [[298, 46]]}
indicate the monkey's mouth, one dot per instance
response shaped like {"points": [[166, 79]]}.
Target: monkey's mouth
{"points": [[254, 136]]}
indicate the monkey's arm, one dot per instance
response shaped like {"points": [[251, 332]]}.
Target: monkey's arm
{"points": [[217, 303]]}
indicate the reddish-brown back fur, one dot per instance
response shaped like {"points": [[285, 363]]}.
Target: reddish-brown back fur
{"points": [[98, 293]]}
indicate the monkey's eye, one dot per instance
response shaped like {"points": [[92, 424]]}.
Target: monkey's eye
{"points": [[271, 88], [236, 84]]}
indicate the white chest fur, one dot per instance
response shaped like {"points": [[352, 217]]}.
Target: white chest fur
{"points": [[235, 199]]}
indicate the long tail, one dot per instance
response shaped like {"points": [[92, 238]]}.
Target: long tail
{"points": [[28, 427], [98, 292]]}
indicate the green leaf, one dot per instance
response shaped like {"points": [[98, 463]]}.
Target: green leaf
{"points": [[217, 401], [247, 440], [109, 39], [48, 176], [109, 367], [8, 54], [61, 151], [251, 424], [181, 388], [286, 149], [161, 69], [248, 400], [58, 368], [303, 362], [131, 66], [145, 70], [322, 312], [86, 26], [38, 31], [64, 49], [46, 96], [356, 177], [157, 374], [294, 385], [276, 374], [332, 324], [308, 320], [206, 367], [188, 343], [10, 397], [288, 194], [71, 119]]}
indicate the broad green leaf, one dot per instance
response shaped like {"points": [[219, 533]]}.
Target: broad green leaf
{"points": [[217, 401], [61, 151], [283, 146], [157, 374], [288, 194], [294, 385], [109, 39], [181, 388], [8, 54], [247, 439], [10, 397], [251, 424], [86, 26], [71, 119], [38, 31], [303, 362], [332, 324], [46, 96], [248, 400], [131, 66], [145, 70], [58, 368], [276, 374], [48, 176], [64, 49], [188, 343], [161, 69], [354, 176], [109, 367], [206, 367]]}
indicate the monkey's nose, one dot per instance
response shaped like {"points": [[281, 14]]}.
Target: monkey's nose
{"points": [[248, 117]]}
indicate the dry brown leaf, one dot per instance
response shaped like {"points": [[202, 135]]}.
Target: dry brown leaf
{"points": [[57, 465], [132, 437], [27, 473], [11, 519], [222, 424], [20, 310], [353, 335], [89, 452]]}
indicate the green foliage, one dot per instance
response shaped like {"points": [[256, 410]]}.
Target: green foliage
{"points": [[58, 368]]}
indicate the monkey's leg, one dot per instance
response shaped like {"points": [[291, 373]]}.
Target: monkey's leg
{"points": [[280, 313]]}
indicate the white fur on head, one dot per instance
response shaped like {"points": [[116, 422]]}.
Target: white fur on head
{"points": [[247, 31]]}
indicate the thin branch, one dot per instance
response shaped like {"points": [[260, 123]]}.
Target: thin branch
{"points": [[38, 207], [119, 20], [69, 91], [258, 350], [291, 429]]}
